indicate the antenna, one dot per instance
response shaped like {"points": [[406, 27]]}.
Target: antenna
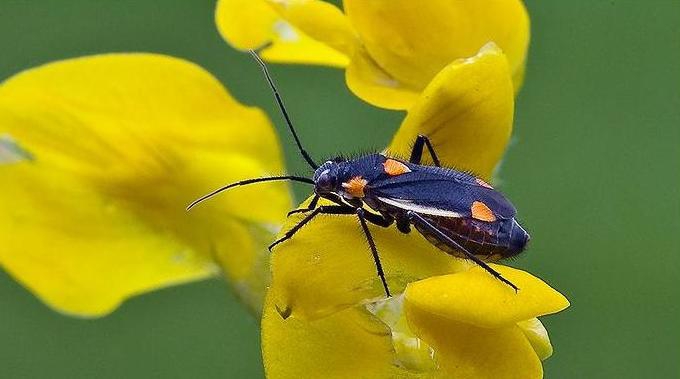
{"points": [[249, 181], [282, 107]]}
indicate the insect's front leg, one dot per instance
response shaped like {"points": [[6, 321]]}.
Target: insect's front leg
{"points": [[423, 223], [324, 209], [310, 207], [363, 216], [417, 152]]}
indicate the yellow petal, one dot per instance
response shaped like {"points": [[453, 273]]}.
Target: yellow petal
{"points": [[245, 24], [349, 344], [254, 24], [372, 84], [320, 20], [537, 335], [466, 111], [119, 144], [410, 351], [327, 266], [475, 297], [413, 41], [466, 351], [304, 51]]}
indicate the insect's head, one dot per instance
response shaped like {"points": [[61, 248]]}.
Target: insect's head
{"points": [[326, 178]]}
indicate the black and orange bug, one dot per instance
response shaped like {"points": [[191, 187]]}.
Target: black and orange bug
{"points": [[455, 211]]}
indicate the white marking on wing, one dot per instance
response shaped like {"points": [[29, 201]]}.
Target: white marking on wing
{"points": [[411, 206]]}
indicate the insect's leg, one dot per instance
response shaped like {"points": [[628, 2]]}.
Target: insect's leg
{"points": [[380, 220], [310, 207], [383, 219], [324, 209], [417, 152], [371, 244], [423, 223], [403, 225]]}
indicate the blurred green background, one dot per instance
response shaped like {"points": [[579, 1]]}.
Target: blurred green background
{"points": [[593, 171]]}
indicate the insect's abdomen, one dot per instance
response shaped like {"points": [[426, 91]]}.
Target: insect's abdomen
{"points": [[489, 241]]}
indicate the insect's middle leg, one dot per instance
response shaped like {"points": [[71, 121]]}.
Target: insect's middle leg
{"points": [[324, 209], [417, 152]]}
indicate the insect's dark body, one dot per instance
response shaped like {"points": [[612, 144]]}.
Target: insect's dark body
{"points": [[457, 212], [442, 196], [490, 241]]}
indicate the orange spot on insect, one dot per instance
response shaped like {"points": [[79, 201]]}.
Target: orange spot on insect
{"points": [[394, 168], [482, 212], [355, 186], [483, 183]]}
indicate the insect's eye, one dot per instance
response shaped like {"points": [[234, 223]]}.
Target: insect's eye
{"points": [[325, 182]]}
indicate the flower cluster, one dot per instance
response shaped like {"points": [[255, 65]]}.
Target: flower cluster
{"points": [[453, 320]]}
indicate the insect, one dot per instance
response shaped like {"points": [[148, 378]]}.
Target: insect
{"points": [[455, 211]]}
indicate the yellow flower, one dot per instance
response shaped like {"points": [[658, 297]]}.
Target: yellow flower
{"points": [[391, 49], [325, 313], [98, 158]]}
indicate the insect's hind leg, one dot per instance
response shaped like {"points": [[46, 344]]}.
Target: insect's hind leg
{"points": [[324, 209], [422, 222], [374, 251], [417, 152]]}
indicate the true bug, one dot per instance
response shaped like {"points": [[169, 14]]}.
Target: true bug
{"points": [[455, 211]]}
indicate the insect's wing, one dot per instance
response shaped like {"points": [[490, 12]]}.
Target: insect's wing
{"points": [[442, 192]]}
